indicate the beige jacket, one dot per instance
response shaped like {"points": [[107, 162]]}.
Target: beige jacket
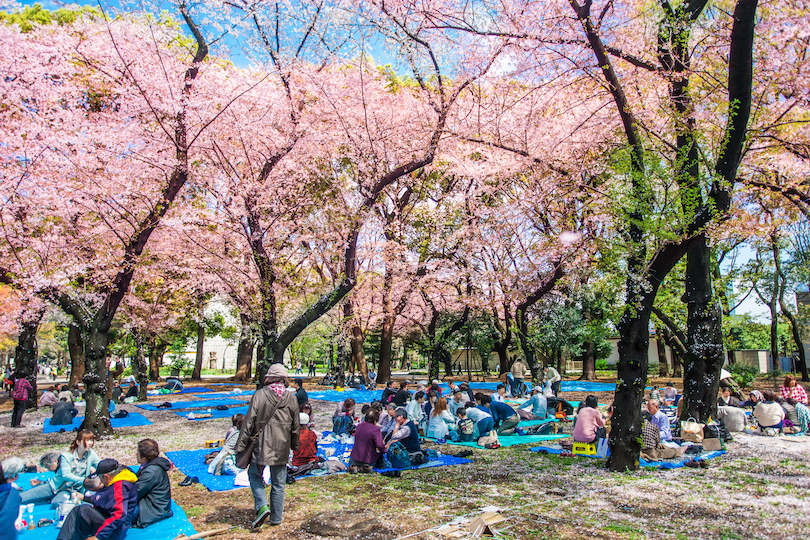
{"points": [[281, 432], [518, 369]]}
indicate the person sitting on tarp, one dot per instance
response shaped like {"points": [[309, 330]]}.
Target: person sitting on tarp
{"points": [[225, 461], [48, 398], [732, 417], [416, 412], [63, 413], [589, 425], [458, 401], [659, 419], [343, 418], [65, 393], [154, 489], [726, 399], [132, 391], [10, 470], [369, 449], [388, 419], [173, 384], [389, 393], [307, 451], [754, 398], [117, 392], [481, 415], [465, 426], [112, 508], [652, 448], [670, 395], [70, 470], [504, 417], [300, 393], [769, 414], [536, 408], [791, 415], [404, 432], [403, 396]]}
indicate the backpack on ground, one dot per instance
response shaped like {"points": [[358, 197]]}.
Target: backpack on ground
{"points": [[398, 456]]}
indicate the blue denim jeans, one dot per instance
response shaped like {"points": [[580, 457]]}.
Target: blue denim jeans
{"points": [[278, 479], [40, 493]]}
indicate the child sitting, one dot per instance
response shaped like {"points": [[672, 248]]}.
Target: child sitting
{"points": [[225, 462], [500, 394], [307, 451], [466, 426]]}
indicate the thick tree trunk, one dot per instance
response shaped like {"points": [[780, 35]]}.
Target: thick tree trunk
{"points": [[358, 356], [588, 362], [25, 355], [625, 432], [387, 332], [97, 413], [76, 349], [705, 355], [157, 348], [244, 353]]}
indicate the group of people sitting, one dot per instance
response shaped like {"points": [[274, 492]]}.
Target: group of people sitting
{"points": [[783, 412], [110, 498]]}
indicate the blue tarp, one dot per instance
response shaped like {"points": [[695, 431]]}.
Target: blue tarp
{"points": [[666, 464], [192, 463], [179, 405], [166, 529], [244, 395], [134, 419]]}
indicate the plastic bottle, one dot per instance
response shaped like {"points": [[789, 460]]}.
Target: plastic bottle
{"points": [[30, 517]]}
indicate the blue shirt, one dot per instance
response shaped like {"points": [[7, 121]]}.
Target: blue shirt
{"points": [[662, 422], [501, 411], [538, 404]]}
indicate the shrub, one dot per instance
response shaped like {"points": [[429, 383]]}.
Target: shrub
{"points": [[743, 374], [602, 365]]}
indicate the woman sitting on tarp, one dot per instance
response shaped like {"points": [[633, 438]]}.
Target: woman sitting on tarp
{"points": [[590, 424], [154, 489], [343, 419], [225, 462], [10, 469], [441, 423], [769, 414], [70, 470]]}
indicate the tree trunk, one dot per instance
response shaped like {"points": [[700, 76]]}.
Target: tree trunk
{"points": [[663, 365], [387, 332], [705, 355], [801, 364], [774, 331], [97, 412], [358, 356], [139, 367], [244, 354], [588, 362], [525, 346], [76, 349], [157, 348], [196, 374], [25, 354]]}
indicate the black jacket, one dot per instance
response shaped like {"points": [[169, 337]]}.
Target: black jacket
{"points": [[63, 413], [154, 492], [401, 398], [301, 396]]}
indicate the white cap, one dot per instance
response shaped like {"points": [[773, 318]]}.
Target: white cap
{"points": [[303, 418]]}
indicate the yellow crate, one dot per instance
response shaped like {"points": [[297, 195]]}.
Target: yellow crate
{"points": [[214, 444], [586, 449]]}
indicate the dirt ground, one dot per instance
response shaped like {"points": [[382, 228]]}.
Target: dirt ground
{"points": [[759, 489]]}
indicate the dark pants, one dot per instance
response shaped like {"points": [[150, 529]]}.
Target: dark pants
{"points": [[555, 387], [81, 523], [16, 415]]}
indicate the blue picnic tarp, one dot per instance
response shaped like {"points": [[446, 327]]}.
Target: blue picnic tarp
{"points": [[192, 463], [166, 529], [134, 419]]}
